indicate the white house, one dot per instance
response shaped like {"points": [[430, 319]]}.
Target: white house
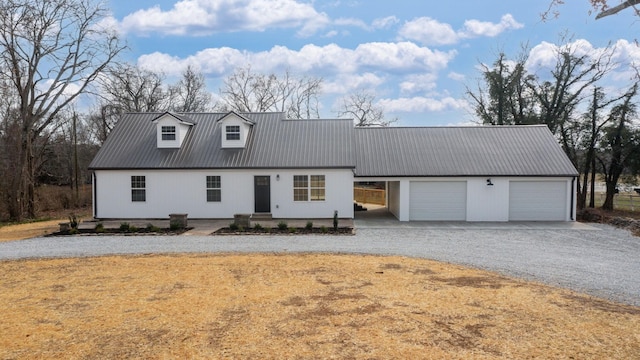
{"points": [[215, 165]]}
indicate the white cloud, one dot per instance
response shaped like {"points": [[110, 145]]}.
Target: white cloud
{"points": [[422, 104], [418, 83], [476, 28], [204, 17], [348, 83], [398, 58], [432, 32], [384, 23], [456, 76], [428, 32]]}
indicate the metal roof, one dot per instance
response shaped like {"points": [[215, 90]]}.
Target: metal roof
{"points": [[274, 142], [460, 151]]}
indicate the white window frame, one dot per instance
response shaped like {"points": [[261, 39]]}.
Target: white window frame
{"points": [[309, 188], [138, 188], [168, 133], [232, 132], [213, 189]]}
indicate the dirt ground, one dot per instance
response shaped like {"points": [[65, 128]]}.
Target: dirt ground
{"points": [[305, 306]]}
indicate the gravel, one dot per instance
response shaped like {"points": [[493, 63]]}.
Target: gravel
{"points": [[598, 259]]}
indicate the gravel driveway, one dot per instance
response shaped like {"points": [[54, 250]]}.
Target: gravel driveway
{"points": [[596, 259]]}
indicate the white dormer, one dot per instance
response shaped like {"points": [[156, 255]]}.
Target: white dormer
{"points": [[234, 130], [171, 129]]}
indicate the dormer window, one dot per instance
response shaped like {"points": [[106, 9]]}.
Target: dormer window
{"points": [[233, 132], [168, 133]]}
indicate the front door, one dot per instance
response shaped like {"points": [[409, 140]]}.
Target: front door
{"points": [[262, 193]]}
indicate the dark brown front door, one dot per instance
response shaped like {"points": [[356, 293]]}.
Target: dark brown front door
{"points": [[262, 193]]}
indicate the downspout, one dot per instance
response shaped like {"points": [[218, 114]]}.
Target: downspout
{"points": [[95, 195], [573, 194]]}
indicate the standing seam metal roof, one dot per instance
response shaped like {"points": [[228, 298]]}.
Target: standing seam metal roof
{"points": [[276, 142], [460, 151]]}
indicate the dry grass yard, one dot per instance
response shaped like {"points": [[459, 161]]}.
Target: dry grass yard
{"points": [[310, 306]]}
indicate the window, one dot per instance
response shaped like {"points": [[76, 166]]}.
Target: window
{"points": [[317, 188], [213, 189], [307, 188], [233, 132], [138, 188], [300, 188], [168, 133]]}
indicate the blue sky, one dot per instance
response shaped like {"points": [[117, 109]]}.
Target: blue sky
{"points": [[417, 56]]}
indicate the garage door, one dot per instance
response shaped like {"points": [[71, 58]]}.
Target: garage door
{"points": [[438, 201], [537, 200]]}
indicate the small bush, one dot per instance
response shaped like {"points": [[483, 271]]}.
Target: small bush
{"points": [[124, 226], [282, 225], [74, 230], [257, 227], [240, 228], [73, 221], [152, 228], [233, 226], [292, 230], [99, 228], [267, 230], [133, 228], [324, 229], [309, 225]]}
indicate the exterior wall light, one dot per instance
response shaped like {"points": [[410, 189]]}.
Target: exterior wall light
{"points": [[489, 183]]}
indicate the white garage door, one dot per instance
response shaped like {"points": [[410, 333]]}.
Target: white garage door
{"points": [[438, 200], [537, 200]]}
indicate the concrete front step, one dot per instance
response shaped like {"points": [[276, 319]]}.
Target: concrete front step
{"points": [[261, 217]]}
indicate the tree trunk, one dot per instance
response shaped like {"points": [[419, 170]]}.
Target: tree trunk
{"points": [[608, 200]]}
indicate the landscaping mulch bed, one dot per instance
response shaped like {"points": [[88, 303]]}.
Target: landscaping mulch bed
{"points": [[109, 231], [287, 231]]}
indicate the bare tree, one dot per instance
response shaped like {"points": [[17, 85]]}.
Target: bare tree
{"points": [[53, 50], [190, 93], [602, 8], [621, 143], [246, 91], [126, 88], [361, 107]]}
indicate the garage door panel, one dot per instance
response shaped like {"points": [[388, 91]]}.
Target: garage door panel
{"points": [[438, 200], [537, 200]]}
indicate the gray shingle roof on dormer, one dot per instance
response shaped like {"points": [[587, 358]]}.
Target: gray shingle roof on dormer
{"points": [[460, 151], [274, 142]]}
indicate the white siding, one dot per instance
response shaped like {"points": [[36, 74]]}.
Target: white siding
{"points": [[233, 120], [487, 202], [438, 200], [181, 132], [393, 198], [184, 191], [538, 201]]}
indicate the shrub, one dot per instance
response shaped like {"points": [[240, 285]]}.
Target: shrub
{"points": [[240, 228], [73, 221], [152, 228], [74, 231], [257, 227], [267, 230], [124, 226], [99, 228], [133, 228], [309, 225], [324, 229], [233, 226], [282, 225], [292, 230]]}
